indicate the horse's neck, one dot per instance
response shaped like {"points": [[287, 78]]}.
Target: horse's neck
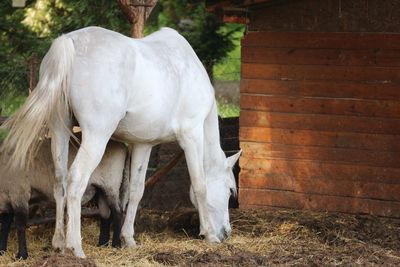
{"points": [[213, 154]]}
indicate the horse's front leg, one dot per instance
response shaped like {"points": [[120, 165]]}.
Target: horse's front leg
{"points": [[59, 151], [192, 142], [87, 159], [139, 163], [21, 219]]}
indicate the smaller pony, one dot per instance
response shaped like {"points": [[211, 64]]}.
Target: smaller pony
{"points": [[19, 188]]}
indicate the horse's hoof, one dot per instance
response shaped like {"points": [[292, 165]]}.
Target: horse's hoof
{"points": [[116, 244], [79, 253], [102, 244], [21, 256], [76, 249], [58, 242], [202, 232], [129, 243], [59, 249], [212, 239]]}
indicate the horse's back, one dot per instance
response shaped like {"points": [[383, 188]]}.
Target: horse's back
{"points": [[86, 38], [169, 46], [162, 52]]}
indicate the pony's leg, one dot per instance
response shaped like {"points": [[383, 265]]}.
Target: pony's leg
{"points": [[105, 220], [110, 213], [88, 157], [139, 163], [192, 142], [104, 236], [21, 219], [59, 151], [6, 221], [116, 216]]}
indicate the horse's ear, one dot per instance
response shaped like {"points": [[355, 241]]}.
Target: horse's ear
{"points": [[230, 162]]}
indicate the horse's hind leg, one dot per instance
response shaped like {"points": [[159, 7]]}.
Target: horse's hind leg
{"points": [[59, 151], [5, 221], [139, 163], [89, 155]]}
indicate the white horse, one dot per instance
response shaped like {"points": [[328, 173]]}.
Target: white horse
{"points": [[140, 91]]}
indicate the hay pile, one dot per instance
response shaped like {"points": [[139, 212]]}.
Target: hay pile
{"points": [[259, 238]]}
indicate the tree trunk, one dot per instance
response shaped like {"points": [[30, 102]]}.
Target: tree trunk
{"points": [[33, 62], [137, 12]]}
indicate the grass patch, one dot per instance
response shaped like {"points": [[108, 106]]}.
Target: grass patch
{"points": [[8, 105], [227, 109], [3, 134]]}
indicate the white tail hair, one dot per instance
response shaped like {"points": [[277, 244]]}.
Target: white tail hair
{"points": [[49, 101]]}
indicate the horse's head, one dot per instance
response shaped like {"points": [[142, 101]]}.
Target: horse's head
{"points": [[219, 189]]}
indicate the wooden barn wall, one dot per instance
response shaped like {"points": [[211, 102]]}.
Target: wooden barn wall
{"points": [[327, 16], [320, 121]]}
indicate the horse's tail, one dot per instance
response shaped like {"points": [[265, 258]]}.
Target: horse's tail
{"points": [[49, 101]]}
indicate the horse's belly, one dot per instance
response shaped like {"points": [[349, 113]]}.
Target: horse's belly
{"points": [[144, 130]]}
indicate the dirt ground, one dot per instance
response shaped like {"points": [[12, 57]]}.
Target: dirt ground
{"points": [[259, 238]]}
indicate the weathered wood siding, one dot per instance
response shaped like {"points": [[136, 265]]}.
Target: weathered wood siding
{"points": [[320, 121], [326, 16]]}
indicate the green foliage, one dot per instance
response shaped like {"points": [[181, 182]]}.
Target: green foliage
{"points": [[9, 104], [50, 18], [227, 109], [228, 69], [211, 39], [2, 135], [31, 29], [13, 38]]}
